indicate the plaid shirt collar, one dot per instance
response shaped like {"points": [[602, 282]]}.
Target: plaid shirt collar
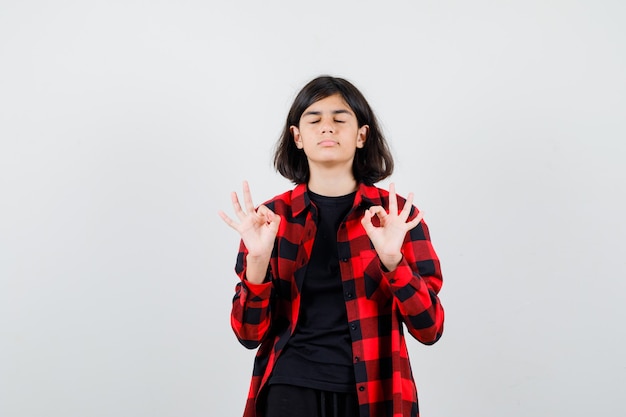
{"points": [[367, 195]]}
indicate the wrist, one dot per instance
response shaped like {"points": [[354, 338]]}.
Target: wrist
{"points": [[256, 268], [258, 259], [390, 262]]}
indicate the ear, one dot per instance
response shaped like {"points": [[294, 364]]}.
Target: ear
{"points": [[362, 136], [295, 132]]}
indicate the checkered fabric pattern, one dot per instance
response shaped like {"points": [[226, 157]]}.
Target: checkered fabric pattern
{"points": [[378, 302]]}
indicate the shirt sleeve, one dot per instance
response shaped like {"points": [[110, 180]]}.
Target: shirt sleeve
{"points": [[415, 284], [250, 314]]}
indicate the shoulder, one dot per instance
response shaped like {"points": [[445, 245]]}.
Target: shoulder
{"points": [[280, 199], [289, 201], [374, 194], [378, 196]]}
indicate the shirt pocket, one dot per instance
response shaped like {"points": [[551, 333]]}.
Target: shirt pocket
{"points": [[377, 287]]}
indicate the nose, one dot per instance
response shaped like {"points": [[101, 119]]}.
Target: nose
{"points": [[327, 126]]}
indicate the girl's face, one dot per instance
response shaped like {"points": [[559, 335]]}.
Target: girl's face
{"points": [[329, 133]]}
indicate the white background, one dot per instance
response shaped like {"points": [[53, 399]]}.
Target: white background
{"points": [[125, 125]]}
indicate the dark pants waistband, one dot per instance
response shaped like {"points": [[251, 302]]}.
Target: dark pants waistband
{"points": [[292, 401]]}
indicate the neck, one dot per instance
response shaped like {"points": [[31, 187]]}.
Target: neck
{"points": [[332, 182]]}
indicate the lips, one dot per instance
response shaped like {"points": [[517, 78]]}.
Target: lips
{"points": [[327, 142]]}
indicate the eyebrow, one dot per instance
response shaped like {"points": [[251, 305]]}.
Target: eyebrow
{"points": [[319, 113]]}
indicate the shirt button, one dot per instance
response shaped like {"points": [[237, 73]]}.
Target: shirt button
{"points": [[361, 388], [348, 295], [353, 326], [356, 359], [344, 259]]}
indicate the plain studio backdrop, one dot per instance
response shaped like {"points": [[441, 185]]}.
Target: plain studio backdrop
{"points": [[124, 126]]}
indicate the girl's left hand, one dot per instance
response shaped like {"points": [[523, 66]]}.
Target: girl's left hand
{"points": [[389, 236]]}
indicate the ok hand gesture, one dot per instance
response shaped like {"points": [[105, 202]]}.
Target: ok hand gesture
{"points": [[258, 229], [389, 236]]}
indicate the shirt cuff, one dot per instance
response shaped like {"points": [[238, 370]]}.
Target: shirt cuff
{"points": [[399, 277], [262, 290]]}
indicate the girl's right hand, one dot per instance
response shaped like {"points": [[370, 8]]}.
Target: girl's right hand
{"points": [[257, 228]]}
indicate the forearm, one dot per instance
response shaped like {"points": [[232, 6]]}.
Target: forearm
{"points": [[250, 315], [417, 301], [415, 283], [256, 268]]}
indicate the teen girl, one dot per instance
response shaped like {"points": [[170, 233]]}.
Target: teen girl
{"points": [[331, 270]]}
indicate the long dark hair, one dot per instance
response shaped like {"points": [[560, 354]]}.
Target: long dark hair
{"points": [[371, 164]]}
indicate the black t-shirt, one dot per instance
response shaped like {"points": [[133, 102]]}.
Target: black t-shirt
{"points": [[319, 353]]}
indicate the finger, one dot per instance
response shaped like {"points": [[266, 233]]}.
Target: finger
{"points": [[266, 213], [393, 200], [415, 221], [366, 221], [237, 206], [247, 197], [274, 223], [408, 205], [227, 220], [378, 211]]}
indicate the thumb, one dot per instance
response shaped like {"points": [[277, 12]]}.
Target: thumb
{"points": [[274, 221]]}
